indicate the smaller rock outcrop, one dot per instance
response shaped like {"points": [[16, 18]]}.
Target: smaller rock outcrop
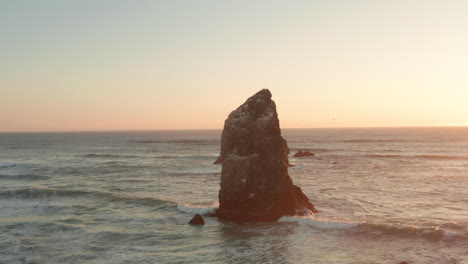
{"points": [[301, 154], [197, 220]]}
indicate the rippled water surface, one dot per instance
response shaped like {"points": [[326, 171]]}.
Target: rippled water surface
{"points": [[384, 196]]}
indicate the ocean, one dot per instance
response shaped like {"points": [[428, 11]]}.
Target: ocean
{"points": [[384, 195]]}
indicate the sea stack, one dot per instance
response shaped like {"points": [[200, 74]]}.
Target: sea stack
{"points": [[255, 184]]}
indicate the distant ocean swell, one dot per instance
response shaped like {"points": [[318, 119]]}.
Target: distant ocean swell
{"points": [[109, 156], [187, 141], [393, 156], [187, 157], [378, 156], [35, 193], [428, 157], [381, 141], [117, 156], [389, 140], [365, 141], [4, 165], [23, 177]]}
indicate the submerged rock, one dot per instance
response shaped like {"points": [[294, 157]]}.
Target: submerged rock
{"points": [[301, 154], [255, 184], [197, 220]]}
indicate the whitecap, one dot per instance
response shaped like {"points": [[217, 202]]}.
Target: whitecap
{"points": [[318, 223], [194, 209]]}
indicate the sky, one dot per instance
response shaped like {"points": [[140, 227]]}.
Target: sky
{"points": [[138, 65]]}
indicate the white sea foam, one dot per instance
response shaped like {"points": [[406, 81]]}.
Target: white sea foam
{"points": [[430, 233], [194, 209], [318, 223]]}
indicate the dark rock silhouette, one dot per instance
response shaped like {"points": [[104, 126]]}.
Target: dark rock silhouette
{"points": [[301, 154], [255, 184], [197, 220], [219, 160]]}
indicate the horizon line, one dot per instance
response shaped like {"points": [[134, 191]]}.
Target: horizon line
{"points": [[205, 129]]}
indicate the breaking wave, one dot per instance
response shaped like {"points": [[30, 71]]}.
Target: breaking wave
{"points": [[193, 209], [316, 223], [449, 231], [435, 233]]}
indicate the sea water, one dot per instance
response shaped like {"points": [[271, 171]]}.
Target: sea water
{"points": [[384, 196]]}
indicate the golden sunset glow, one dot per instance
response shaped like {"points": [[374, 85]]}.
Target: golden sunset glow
{"points": [[234, 131], [185, 65]]}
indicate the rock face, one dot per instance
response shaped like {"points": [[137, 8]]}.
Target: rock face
{"points": [[301, 154], [197, 220], [255, 184]]}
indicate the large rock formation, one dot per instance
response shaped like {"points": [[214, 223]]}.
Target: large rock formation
{"points": [[255, 184]]}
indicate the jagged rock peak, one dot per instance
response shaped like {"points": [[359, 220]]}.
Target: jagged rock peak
{"points": [[245, 128], [255, 184]]}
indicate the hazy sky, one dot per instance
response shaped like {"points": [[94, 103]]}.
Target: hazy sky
{"points": [[113, 65]]}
